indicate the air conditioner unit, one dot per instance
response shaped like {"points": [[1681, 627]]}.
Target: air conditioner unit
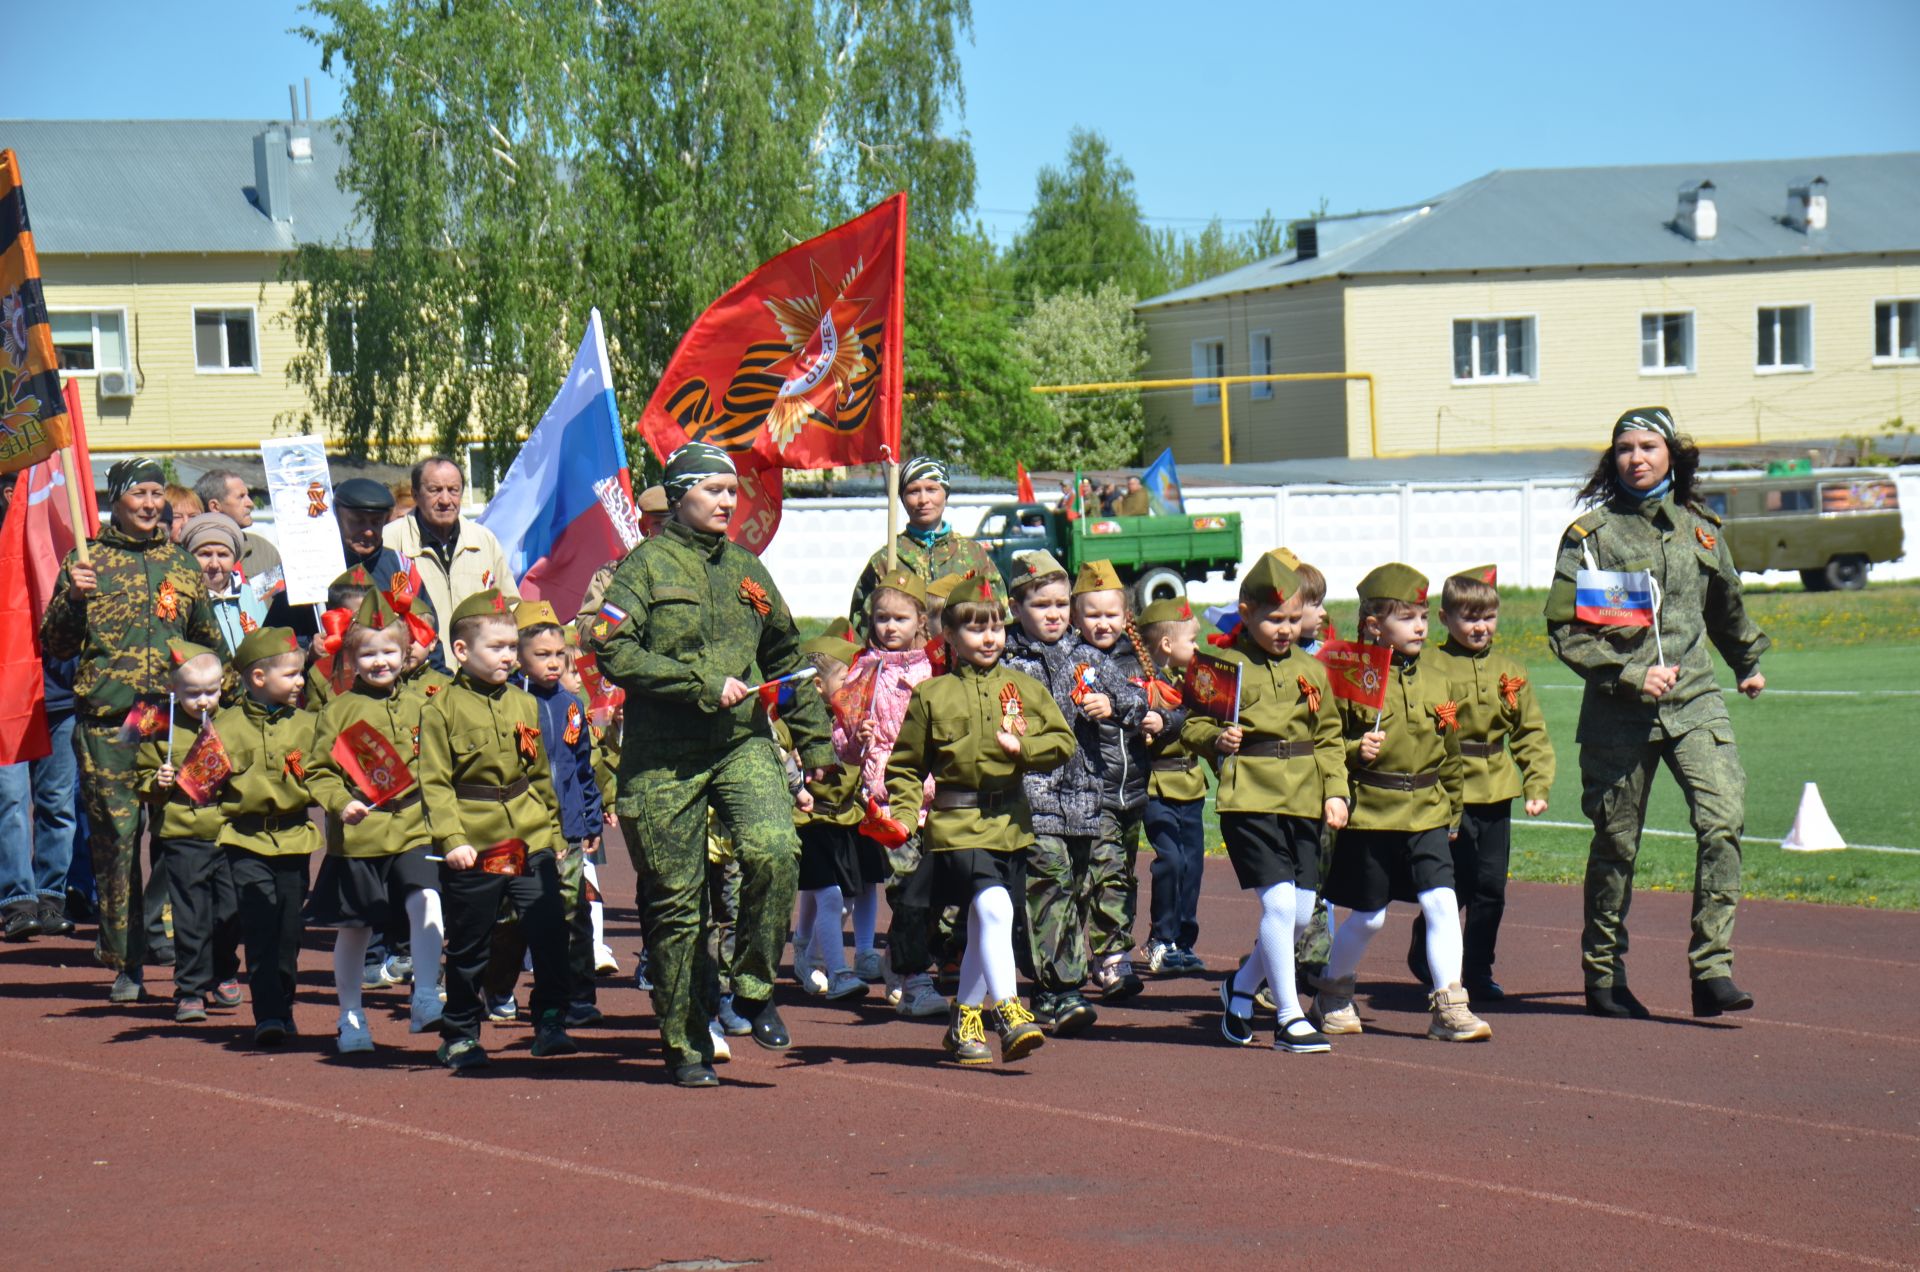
{"points": [[118, 384]]}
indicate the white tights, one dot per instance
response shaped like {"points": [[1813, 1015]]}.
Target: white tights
{"points": [[986, 969], [826, 947], [1284, 909], [1444, 949], [428, 931], [349, 965]]}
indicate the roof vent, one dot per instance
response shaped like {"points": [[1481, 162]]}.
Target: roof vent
{"points": [[1696, 217], [1807, 205], [272, 175], [1306, 240]]}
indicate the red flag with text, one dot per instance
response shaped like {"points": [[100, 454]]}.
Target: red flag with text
{"points": [[1357, 673], [366, 756], [204, 767], [798, 365]]}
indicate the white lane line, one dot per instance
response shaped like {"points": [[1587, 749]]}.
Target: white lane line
{"points": [[763, 1205], [1750, 839], [1412, 1173]]}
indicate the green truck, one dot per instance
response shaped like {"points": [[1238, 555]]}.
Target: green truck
{"points": [[1831, 525], [1157, 556]]}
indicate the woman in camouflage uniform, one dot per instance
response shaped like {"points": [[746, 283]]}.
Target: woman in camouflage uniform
{"points": [[116, 613], [1641, 710], [928, 546]]}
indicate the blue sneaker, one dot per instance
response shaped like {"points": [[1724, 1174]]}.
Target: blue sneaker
{"points": [[501, 1011], [640, 969], [732, 1022], [400, 968], [376, 976]]}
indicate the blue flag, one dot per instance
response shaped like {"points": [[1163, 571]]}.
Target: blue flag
{"points": [[1162, 480]]}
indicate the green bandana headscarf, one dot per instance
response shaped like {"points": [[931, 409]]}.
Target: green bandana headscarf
{"points": [[692, 464]]}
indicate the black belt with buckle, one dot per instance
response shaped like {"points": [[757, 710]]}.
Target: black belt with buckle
{"points": [[990, 803], [1178, 764], [1397, 781], [1480, 750], [1274, 749], [492, 794]]}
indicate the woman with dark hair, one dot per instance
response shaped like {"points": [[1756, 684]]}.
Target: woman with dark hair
{"points": [[1651, 697]]}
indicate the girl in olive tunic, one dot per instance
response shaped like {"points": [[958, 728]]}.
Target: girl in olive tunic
{"points": [[1641, 710]]}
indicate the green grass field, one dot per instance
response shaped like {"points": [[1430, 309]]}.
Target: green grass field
{"points": [[1843, 686]]}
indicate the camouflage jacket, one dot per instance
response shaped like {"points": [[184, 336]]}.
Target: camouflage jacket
{"points": [[685, 611], [950, 553], [1701, 606], [149, 592]]}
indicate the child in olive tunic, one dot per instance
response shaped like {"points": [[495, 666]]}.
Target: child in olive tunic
{"points": [[265, 831], [1282, 771], [206, 919], [1404, 764], [485, 779], [1176, 793], [976, 731], [376, 868]]}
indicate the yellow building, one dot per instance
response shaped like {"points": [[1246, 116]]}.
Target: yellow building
{"points": [[160, 244], [1762, 302]]}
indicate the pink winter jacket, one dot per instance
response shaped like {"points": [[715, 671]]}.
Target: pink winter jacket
{"points": [[895, 675]]}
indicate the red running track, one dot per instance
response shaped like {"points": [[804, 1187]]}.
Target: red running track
{"points": [[1788, 1137]]}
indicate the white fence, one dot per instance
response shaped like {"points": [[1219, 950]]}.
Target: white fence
{"points": [[1345, 530]]}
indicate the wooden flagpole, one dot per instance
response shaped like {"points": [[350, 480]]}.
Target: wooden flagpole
{"points": [[892, 470], [74, 508]]}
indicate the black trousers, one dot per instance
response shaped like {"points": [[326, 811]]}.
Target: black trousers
{"points": [[1177, 830], [270, 892], [471, 901], [910, 925], [1481, 854], [206, 914]]}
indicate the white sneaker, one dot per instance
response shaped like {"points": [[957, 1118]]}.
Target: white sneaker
{"points": [[604, 963], [721, 1051], [871, 965], [808, 971], [846, 983], [353, 1033], [918, 998], [1156, 953], [426, 1010]]}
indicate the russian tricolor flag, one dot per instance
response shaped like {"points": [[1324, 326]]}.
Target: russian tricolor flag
{"points": [[1613, 598], [566, 506]]}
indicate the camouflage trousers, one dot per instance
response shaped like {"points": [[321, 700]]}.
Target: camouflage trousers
{"points": [[1081, 897], [113, 840], [1615, 782], [667, 839]]}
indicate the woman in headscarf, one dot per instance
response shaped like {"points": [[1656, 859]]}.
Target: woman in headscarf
{"points": [[928, 546], [116, 612], [215, 540], [1643, 588], [689, 623]]}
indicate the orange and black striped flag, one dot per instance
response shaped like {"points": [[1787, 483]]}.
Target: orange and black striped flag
{"points": [[33, 412]]}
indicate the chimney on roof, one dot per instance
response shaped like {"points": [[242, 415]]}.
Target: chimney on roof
{"points": [[299, 136], [1696, 217], [1807, 205], [1306, 240], [272, 174]]}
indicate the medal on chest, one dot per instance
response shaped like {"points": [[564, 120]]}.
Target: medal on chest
{"points": [[166, 602], [1013, 712]]}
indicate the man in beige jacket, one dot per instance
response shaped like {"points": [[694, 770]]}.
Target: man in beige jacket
{"points": [[457, 557]]}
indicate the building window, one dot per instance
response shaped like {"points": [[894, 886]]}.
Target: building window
{"points": [[1209, 359], [1786, 339], [1492, 349], [89, 343], [223, 340], [1666, 343], [1260, 361], [1896, 331]]}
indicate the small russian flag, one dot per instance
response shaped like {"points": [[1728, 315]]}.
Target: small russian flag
{"points": [[1226, 623], [1614, 598]]}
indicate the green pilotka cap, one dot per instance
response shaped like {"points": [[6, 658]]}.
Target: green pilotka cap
{"points": [[185, 651], [488, 604], [1175, 609], [1269, 582], [1030, 568], [375, 612], [834, 647], [903, 580], [1394, 582], [266, 642]]}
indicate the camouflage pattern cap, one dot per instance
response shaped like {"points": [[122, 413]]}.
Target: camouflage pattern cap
{"points": [[1394, 582], [185, 651], [534, 614], [1030, 568], [265, 642], [1269, 582], [905, 580], [487, 604], [1097, 576], [1175, 609]]}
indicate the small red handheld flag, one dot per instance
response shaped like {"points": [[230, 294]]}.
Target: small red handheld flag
{"points": [[366, 756], [1358, 672], [602, 696], [1025, 484], [205, 767], [1211, 686], [508, 857], [879, 826]]}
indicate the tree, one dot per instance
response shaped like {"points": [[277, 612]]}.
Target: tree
{"points": [[1184, 259], [1085, 226], [515, 165], [1085, 337]]}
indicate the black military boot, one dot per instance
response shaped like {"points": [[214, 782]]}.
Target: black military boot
{"points": [[53, 917], [1615, 1001], [1712, 997], [768, 1029]]}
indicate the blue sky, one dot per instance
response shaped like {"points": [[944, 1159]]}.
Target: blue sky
{"points": [[1220, 109]]}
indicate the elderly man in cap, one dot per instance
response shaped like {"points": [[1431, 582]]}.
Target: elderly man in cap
{"points": [[458, 558], [115, 612], [928, 546], [225, 491]]}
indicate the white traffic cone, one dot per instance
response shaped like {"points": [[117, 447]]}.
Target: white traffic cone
{"points": [[1813, 830]]}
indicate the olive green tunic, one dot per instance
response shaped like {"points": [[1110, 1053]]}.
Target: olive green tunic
{"points": [[476, 734], [400, 823], [264, 804], [1173, 785], [1284, 698], [1498, 709], [1418, 741], [174, 816]]}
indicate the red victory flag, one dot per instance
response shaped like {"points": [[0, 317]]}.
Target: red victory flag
{"points": [[366, 756], [1211, 686], [798, 365], [602, 696], [1024, 489], [204, 767], [33, 411], [23, 715], [50, 533], [1358, 672], [508, 857]]}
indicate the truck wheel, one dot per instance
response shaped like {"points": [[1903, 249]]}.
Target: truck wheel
{"points": [[1815, 580], [1848, 573], [1157, 584]]}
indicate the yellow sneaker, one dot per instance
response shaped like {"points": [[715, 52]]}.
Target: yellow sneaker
{"points": [[966, 1039], [1019, 1035], [1453, 1020]]}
